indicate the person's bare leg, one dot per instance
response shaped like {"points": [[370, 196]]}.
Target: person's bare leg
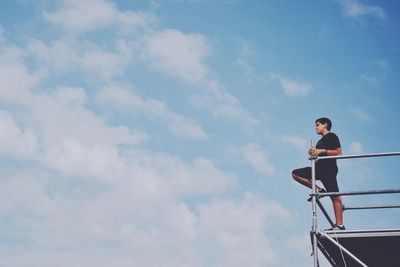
{"points": [[304, 181], [338, 209]]}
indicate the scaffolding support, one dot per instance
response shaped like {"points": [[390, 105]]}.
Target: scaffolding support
{"points": [[314, 214], [315, 232], [344, 249]]}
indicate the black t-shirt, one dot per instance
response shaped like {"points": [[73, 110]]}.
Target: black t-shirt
{"points": [[329, 141]]}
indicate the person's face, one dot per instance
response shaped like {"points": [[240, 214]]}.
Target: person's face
{"points": [[320, 128]]}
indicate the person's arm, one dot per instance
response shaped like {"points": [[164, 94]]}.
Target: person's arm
{"points": [[333, 152], [330, 152]]}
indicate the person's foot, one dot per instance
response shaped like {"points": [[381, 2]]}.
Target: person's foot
{"points": [[321, 190], [336, 228]]}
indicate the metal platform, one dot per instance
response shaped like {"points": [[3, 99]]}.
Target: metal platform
{"points": [[353, 248], [373, 248]]}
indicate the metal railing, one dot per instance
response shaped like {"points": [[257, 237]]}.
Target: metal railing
{"points": [[316, 196]]}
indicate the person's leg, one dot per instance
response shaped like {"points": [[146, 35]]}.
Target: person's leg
{"points": [[303, 176], [338, 210], [331, 185]]}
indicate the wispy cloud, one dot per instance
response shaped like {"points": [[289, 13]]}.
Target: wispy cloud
{"points": [[83, 190], [16, 79], [1, 34], [354, 9], [362, 115], [292, 87], [224, 105], [16, 141], [356, 148], [81, 16], [123, 98], [183, 55], [70, 145], [372, 80], [65, 55], [179, 54], [222, 219], [383, 63], [171, 51], [255, 157], [296, 141], [249, 72]]}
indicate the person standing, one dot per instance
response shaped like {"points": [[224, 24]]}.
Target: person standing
{"points": [[325, 170]]}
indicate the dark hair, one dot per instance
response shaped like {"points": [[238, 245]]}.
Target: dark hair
{"points": [[323, 121]]}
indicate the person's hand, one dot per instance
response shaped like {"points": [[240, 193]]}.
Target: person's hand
{"points": [[315, 152]]}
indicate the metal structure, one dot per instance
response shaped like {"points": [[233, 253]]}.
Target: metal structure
{"points": [[356, 247]]}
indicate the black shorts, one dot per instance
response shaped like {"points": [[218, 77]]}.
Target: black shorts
{"points": [[328, 179]]}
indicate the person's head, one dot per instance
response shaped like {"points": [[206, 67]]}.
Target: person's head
{"points": [[323, 123]]}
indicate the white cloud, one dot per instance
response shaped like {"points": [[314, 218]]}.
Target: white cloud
{"points": [[257, 158], [296, 141], [247, 52], [178, 54], [383, 63], [81, 16], [16, 79], [99, 205], [369, 79], [223, 104], [237, 242], [71, 139], [235, 113], [174, 176], [17, 188], [171, 51], [362, 115], [300, 243], [356, 148], [112, 229], [182, 55], [75, 141], [15, 141], [71, 54], [248, 71], [90, 193], [48, 129], [65, 55], [291, 87], [125, 99], [97, 230], [354, 9], [105, 63], [57, 115], [1, 34]]}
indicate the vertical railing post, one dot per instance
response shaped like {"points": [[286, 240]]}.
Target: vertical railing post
{"points": [[314, 213]]}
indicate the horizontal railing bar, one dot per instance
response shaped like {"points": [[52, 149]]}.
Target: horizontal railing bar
{"points": [[371, 207], [371, 192], [369, 155]]}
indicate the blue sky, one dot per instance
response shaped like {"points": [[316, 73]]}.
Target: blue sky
{"points": [[163, 133]]}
